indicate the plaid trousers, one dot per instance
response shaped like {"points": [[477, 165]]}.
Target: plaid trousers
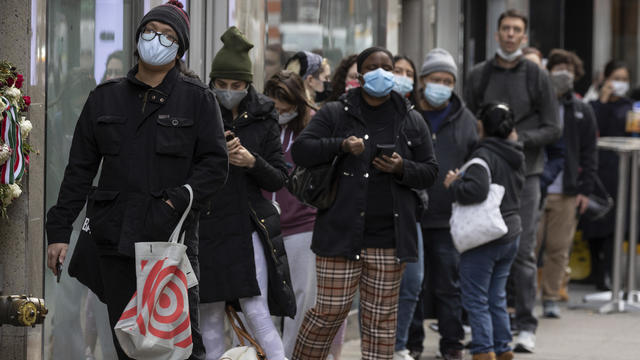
{"points": [[378, 274]]}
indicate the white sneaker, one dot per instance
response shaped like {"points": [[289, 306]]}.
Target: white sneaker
{"points": [[402, 355], [525, 342]]}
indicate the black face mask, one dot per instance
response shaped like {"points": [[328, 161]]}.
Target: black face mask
{"points": [[326, 92]]}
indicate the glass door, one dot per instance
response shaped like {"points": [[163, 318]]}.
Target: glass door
{"points": [[89, 41]]}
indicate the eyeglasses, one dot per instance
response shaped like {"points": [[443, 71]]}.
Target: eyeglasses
{"points": [[165, 40]]}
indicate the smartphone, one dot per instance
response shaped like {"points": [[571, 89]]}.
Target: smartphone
{"points": [[58, 270], [385, 149], [230, 136]]}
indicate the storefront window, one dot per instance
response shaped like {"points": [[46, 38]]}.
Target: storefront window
{"points": [[89, 41], [333, 28]]}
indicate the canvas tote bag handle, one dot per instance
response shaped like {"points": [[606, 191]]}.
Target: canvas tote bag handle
{"points": [[175, 235]]}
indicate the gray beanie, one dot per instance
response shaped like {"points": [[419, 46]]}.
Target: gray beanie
{"points": [[439, 60]]}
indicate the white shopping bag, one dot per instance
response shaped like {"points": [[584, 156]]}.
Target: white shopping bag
{"points": [[155, 324]]}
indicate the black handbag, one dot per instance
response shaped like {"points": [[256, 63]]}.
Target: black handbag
{"points": [[84, 264], [600, 202], [315, 186]]}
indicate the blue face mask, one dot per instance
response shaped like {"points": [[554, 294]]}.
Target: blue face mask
{"points": [[403, 85], [378, 83], [437, 94], [153, 52]]}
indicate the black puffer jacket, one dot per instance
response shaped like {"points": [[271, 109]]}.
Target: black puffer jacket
{"points": [[339, 230], [226, 250], [506, 162], [151, 141], [453, 142]]}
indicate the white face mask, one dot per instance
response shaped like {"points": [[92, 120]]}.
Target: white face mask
{"points": [[154, 53], [287, 117], [509, 57], [620, 88]]}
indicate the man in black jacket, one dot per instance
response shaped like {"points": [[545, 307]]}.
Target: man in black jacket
{"points": [[153, 132], [568, 178], [520, 83], [454, 134]]}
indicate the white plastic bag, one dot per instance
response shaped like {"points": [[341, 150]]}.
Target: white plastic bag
{"points": [[156, 324], [477, 224]]}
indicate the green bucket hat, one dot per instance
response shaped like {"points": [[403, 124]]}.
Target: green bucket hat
{"points": [[232, 61]]}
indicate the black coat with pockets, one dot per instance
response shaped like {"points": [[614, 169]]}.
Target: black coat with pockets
{"points": [[151, 141], [226, 250], [339, 230]]}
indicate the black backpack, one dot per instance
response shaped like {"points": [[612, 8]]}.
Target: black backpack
{"points": [[532, 88]]}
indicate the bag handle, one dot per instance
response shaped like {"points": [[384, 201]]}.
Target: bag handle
{"points": [[477, 161], [175, 235], [241, 331]]}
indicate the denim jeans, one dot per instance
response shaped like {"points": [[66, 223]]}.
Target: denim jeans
{"points": [[410, 289], [483, 277], [442, 261]]}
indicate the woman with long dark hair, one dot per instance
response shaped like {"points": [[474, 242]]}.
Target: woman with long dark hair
{"points": [[286, 89]]}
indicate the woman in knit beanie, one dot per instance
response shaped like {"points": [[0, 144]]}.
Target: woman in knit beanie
{"points": [[234, 268]]}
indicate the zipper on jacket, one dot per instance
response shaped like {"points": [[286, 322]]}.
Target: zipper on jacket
{"points": [[266, 233], [233, 122], [144, 100]]}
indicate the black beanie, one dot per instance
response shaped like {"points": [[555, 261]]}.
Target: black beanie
{"points": [[367, 52], [173, 15]]}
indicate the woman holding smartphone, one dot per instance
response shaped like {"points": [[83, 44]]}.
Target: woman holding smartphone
{"points": [[365, 237]]}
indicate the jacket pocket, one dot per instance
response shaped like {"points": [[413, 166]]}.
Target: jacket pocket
{"points": [[174, 136], [410, 141], [160, 220], [109, 133], [104, 211]]}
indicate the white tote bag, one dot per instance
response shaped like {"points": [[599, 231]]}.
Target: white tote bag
{"points": [[477, 224], [250, 351], [156, 324]]}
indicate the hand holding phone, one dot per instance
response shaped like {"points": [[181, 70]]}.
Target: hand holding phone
{"points": [[385, 149]]}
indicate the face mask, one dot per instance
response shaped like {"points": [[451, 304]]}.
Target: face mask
{"points": [[378, 83], [287, 117], [509, 57], [402, 85], [351, 84], [562, 81], [620, 88], [437, 94], [154, 53], [230, 98], [325, 93]]}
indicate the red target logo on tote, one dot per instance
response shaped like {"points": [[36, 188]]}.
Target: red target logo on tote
{"points": [[156, 324]]}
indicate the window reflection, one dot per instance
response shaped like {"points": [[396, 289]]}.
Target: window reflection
{"points": [[333, 28], [87, 43]]}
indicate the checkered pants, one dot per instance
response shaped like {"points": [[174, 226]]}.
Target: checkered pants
{"points": [[378, 274]]}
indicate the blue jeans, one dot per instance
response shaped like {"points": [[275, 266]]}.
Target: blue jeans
{"points": [[410, 288], [483, 277]]}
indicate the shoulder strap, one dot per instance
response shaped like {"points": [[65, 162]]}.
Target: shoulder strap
{"points": [[175, 235], [241, 331], [481, 87], [532, 85], [477, 161]]}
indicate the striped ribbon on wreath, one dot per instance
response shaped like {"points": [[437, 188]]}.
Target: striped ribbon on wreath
{"points": [[14, 168]]}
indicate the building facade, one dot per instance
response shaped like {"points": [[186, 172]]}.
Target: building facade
{"points": [[66, 47]]}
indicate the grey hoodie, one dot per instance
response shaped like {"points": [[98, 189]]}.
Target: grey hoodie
{"points": [[537, 120], [453, 142]]}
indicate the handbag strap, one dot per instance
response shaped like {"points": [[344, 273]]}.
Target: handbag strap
{"points": [[175, 235], [241, 331], [477, 161]]}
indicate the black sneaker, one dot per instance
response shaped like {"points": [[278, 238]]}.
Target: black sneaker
{"points": [[452, 355], [415, 354]]}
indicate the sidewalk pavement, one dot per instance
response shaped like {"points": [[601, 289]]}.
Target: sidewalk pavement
{"points": [[580, 334]]}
